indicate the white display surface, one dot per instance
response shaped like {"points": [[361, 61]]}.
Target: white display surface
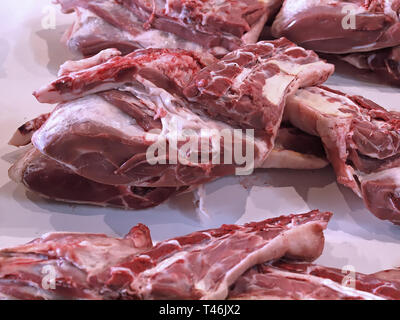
{"points": [[30, 56]]}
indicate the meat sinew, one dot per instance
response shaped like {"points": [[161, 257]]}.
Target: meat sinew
{"points": [[202, 265]]}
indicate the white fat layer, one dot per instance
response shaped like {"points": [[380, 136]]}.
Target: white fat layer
{"points": [[290, 67], [275, 87], [253, 35], [96, 257], [74, 66], [319, 99]]}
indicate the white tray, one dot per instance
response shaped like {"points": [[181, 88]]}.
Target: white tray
{"points": [[30, 56]]}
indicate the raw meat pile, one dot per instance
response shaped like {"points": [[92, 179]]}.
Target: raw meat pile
{"points": [[113, 108], [165, 96]]}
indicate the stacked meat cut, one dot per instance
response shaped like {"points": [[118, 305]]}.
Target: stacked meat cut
{"points": [[363, 33], [361, 140]]}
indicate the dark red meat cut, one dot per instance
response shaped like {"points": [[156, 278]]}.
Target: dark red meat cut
{"points": [[326, 25], [52, 180]]}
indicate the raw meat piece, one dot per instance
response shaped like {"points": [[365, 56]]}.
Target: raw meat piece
{"points": [[91, 34], [52, 180], [24, 133], [218, 26], [389, 275], [149, 85], [202, 265], [249, 86], [303, 281], [325, 25], [142, 94], [38, 173], [80, 263], [294, 149], [385, 62], [361, 140], [167, 69]]}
